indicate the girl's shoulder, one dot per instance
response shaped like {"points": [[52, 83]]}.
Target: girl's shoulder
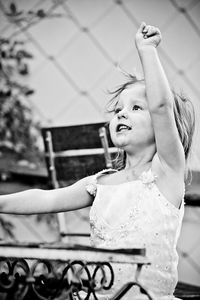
{"points": [[104, 174], [91, 187]]}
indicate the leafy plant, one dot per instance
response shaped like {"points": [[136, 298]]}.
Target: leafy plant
{"points": [[18, 130]]}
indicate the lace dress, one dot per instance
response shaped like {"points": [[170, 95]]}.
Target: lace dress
{"points": [[136, 215]]}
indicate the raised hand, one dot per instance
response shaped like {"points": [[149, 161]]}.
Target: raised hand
{"points": [[147, 35]]}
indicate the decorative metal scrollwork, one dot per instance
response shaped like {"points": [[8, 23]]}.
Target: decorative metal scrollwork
{"points": [[48, 280], [59, 272]]}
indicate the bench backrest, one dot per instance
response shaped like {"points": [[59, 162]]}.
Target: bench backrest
{"points": [[76, 151]]}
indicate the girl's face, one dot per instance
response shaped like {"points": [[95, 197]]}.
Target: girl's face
{"points": [[131, 126]]}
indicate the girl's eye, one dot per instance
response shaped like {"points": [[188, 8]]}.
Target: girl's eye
{"points": [[136, 107]]}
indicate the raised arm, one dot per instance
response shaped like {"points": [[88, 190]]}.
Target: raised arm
{"points": [[37, 201], [160, 99]]}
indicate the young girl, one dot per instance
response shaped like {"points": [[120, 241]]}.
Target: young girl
{"points": [[142, 204]]}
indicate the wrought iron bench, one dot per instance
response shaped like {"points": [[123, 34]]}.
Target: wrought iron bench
{"points": [[44, 271], [58, 271]]}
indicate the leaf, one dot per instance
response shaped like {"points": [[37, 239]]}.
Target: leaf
{"points": [[13, 8], [41, 13], [7, 227]]}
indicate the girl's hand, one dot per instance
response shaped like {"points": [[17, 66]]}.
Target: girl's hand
{"points": [[147, 36]]}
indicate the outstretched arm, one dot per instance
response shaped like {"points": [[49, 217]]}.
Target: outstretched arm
{"points": [[160, 99], [37, 201]]}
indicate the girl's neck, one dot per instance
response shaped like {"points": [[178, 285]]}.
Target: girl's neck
{"points": [[133, 170], [140, 155], [139, 163], [138, 169]]}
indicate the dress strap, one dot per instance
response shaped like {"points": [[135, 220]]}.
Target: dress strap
{"points": [[91, 187]]}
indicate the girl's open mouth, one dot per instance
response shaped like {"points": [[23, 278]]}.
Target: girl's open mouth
{"points": [[122, 127]]}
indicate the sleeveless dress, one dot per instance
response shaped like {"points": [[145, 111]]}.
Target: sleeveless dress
{"points": [[135, 214]]}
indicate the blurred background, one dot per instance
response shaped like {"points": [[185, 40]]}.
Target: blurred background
{"points": [[58, 59]]}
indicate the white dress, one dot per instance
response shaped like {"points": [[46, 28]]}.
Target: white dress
{"points": [[136, 215]]}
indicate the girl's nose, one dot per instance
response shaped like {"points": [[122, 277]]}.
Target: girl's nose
{"points": [[122, 114]]}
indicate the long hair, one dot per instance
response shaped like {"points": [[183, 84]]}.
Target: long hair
{"points": [[183, 113], [185, 121]]}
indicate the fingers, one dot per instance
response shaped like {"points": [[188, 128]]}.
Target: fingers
{"points": [[147, 35], [150, 31], [142, 27]]}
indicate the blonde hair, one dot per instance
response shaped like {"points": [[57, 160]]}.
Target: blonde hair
{"points": [[185, 121]]}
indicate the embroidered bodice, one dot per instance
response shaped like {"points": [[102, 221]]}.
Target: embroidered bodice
{"points": [[136, 215]]}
